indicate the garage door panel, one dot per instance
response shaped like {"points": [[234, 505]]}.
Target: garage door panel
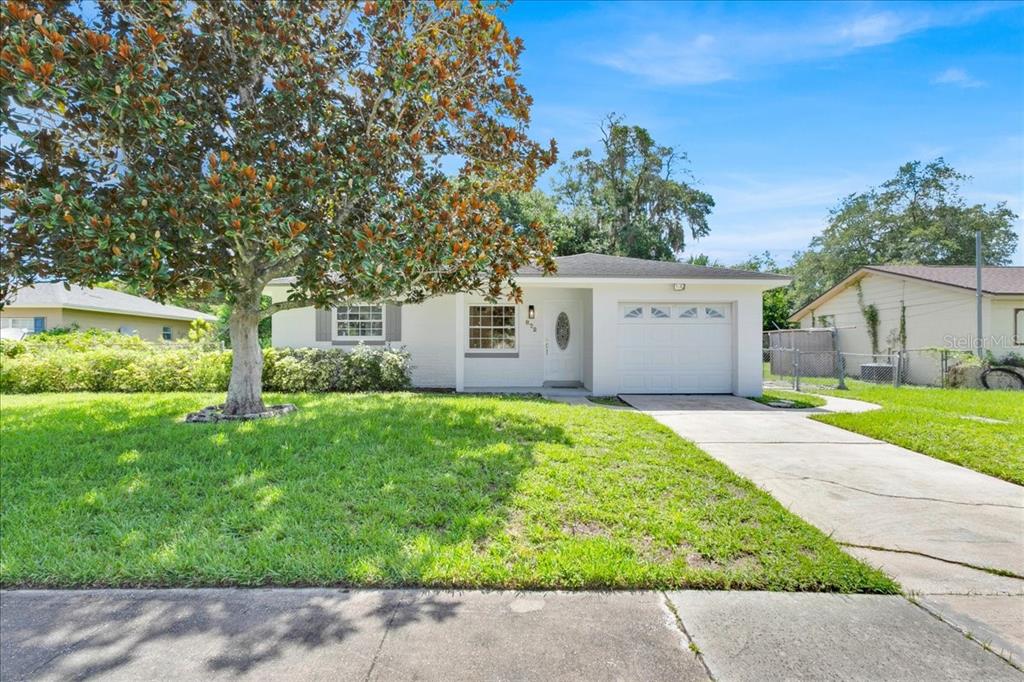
{"points": [[675, 355], [658, 335]]}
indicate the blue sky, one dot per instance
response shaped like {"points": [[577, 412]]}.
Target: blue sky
{"points": [[785, 108]]}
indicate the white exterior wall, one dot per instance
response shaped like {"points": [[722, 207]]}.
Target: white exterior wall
{"points": [[746, 309], [435, 338], [588, 338], [528, 368], [428, 333]]}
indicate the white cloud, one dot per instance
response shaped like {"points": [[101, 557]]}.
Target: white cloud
{"points": [[684, 52], [958, 77], [681, 63], [876, 29]]}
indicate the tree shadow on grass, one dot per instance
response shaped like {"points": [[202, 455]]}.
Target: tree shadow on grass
{"points": [[383, 490], [387, 489]]}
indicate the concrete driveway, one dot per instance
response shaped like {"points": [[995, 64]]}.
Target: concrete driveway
{"points": [[952, 537]]}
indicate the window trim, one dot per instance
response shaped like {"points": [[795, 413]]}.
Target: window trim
{"points": [[626, 308], [683, 307], [335, 336], [675, 309], [506, 352], [717, 307], [665, 309], [8, 321], [1018, 333], [167, 333]]}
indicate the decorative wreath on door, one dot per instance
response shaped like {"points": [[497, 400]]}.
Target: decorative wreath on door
{"points": [[562, 331]]}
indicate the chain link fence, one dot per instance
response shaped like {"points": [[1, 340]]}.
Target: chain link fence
{"points": [[803, 369]]}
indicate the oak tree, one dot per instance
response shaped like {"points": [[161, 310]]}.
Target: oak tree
{"points": [[193, 148], [633, 198], [918, 217]]}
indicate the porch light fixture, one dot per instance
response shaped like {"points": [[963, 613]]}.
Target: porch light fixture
{"points": [[678, 286], [530, 312]]}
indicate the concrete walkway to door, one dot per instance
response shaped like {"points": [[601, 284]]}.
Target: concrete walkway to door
{"points": [[952, 537]]}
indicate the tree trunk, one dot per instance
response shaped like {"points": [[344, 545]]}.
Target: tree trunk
{"points": [[245, 389]]}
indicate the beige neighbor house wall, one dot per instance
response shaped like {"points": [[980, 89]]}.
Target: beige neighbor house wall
{"points": [[937, 316], [53, 316], [1005, 310], [148, 328]]}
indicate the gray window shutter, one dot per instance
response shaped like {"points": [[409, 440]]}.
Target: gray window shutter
{"points": [[393, 322], [323, 324]]}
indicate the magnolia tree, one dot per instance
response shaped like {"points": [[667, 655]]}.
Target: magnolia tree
{"points": [[197, 147]]}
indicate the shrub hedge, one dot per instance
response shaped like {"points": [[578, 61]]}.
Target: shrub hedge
{"points": [[90, 364]]}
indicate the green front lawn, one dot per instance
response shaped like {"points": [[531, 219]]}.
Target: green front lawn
{"points": [[797, 400], [944, 423], [387, 489]]}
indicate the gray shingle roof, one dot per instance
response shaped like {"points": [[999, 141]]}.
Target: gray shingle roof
{"points": [[994, 280], [54, 295], [599, 265]]}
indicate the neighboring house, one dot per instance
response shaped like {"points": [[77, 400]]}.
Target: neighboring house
{"points": [[603, 323], [49, 305], [937, 304]]}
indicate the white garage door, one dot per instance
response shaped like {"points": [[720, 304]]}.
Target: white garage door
{"points": [[675, 347]]}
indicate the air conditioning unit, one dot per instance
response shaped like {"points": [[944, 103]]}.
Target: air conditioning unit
{"points": [[877, 372]]}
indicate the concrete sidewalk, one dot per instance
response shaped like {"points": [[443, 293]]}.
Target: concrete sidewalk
{"points": [[303, 634], [942, 531]]}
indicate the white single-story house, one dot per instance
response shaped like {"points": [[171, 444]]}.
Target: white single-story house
{"points": [[937, 304], [47, 305], [604, 324]]}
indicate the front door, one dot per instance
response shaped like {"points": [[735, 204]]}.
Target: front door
{"points": [[563, 339]]}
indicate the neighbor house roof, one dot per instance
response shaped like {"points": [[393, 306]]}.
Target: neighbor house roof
{"points": [[54, 295], [995, 280], [599, 265]]}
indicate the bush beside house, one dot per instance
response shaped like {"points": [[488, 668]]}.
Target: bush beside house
{"points": [[108, 362]]}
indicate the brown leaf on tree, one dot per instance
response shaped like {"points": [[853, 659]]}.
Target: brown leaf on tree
{"points": [[155, 37], [19, 11]]}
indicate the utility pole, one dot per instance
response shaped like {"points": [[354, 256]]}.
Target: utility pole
{"points": [[977, 289]]}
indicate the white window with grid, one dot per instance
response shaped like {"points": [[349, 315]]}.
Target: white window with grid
{"points": [[492, 328], [24, 323], [359, 321]]}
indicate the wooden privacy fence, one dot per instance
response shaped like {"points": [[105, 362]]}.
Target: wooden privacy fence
{"points": [[817, 343]]}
